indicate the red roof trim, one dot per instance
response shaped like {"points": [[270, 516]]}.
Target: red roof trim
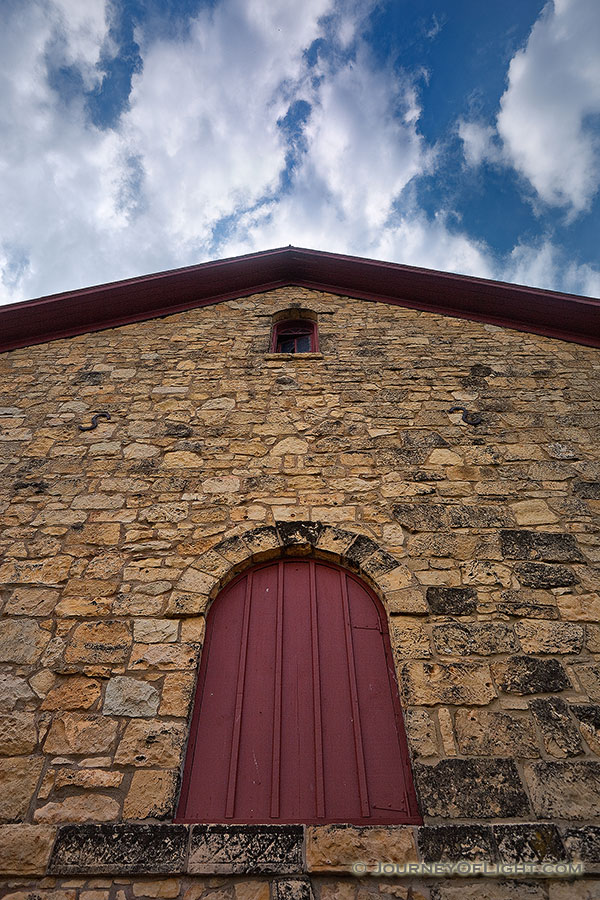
{"points": [[565, 316]]}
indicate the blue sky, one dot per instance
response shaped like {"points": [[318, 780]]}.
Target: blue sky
{"points": [[141, 135]]}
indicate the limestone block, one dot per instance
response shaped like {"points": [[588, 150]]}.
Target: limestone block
{"points": [[22, 641], [18, 734], [564, 790], [99, 643], [81, 735], [481, 638], [153, 631], [545, 575], [177, 694], [151, 743], [151, 795], [83, 808], [25, 849], [75, 692], [31, 602], [579, 607], [18, 780], [530, 675], [559, 732], [533, 512], [589, 678], [126, 696], [495, 789], [336, 848], [163, 656], [452, 601], [481, 732], [13, 691], [549, 637], [420, 728], [426, 684], [36, 571]]}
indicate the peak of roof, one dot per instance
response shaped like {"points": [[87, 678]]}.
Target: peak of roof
{"points": [[565, 316]]}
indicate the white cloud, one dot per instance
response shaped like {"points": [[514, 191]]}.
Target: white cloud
{"points": [[196, 166], [545, 265], [479, 143], [553, 90]]}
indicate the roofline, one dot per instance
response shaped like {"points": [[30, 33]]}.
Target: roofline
{"points": [[564, 316]]}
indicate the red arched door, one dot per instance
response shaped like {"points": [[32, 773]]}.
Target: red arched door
{"points": [[297, 717]]}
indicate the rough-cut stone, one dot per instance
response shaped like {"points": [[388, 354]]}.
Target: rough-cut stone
{"points": [[49, 572], [549, 637], [559, 732], [283, 889], [13, 690], [451, 601], [151, 743], [18, 734], [18, 780], [176, 694], [99, 643], [494, 789], [529, 843], [426, 684], [533, 512], [151, 795], [488, 889], [409, 638], [579, 607], [31, 602], [589, 724], [439, 843], [589, 678], [583, 844], [482, 732], [338, 847], [22, 641], [25, 849], [481, 638], [421, 732], [155, 631], [545, 575], [163, 656], [245, 849], [564, 790], [75, 692], [87, 778], [165, 889], [82, 808], [81, 735], [528, 675], [539, 545], [119, 849], [130, 697]]}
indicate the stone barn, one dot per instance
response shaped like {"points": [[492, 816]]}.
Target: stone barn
{"points": [[299, 580]]}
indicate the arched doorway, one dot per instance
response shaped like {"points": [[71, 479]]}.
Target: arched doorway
{"points": [[297, 717]]}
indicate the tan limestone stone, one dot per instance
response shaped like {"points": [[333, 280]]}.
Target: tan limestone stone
{"points": [[290, 445], [481, 732], [18, 734], [579, 607], [22, 640], [152, 743], [409, 638], [125, 696], [18, 780], [533, 512], [75, 692], [36, 571], [164, 889], [25, 849], [82, 808], [153, 631], [252, 890], [333, 848], [79, 734], [426, 684], [421, 732], [163, 656], [151, 795], [31, 602], [409, 601], [87, 778], [177, 694], [99, 642]]}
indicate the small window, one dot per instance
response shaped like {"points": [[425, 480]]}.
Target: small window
{"points": [[295, 336]]}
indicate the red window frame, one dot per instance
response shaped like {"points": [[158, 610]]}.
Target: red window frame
{"points": [[293, 329]]}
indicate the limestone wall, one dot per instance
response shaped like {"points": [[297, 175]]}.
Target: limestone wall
{"points": [[482, 541]]}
